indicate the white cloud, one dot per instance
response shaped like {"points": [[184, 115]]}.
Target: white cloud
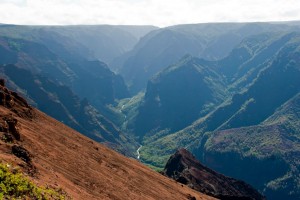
{"points": [[156, 12], [14, 2]]}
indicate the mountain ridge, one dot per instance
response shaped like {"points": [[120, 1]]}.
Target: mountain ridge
{"points": [[276, 82]]}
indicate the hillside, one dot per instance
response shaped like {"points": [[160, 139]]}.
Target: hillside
{"points": [[273, 144], [167, 105], [53, 154], [236, 134]]}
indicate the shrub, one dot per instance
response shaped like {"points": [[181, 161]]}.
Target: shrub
{"points": [[14, 185]]}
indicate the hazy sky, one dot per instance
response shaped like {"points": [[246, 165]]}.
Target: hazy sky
{"points": [[139, 12]]}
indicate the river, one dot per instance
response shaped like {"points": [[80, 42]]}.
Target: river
{"points": [[138, 152]]}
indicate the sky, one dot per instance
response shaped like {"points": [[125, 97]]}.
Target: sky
{"points": [[145, 12]]}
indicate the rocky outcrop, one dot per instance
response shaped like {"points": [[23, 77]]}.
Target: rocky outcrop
{"points": [[184, 168], [11, 127], [17, 105], [14, 102], [21, 153], [16, 108]]}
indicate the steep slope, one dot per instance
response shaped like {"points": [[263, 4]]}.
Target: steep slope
{"points": [[60, 102], [252, 55], [57, 156], [276, 144], [184, 168], [274, 86], [97, 83], [177, 96]]}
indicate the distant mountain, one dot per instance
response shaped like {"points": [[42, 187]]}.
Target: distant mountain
{"points": [[77, 90], [61, 160], [152, 53], [103, 42], [184, 168], [107, 42], [177, 96], [163, 47], [88, 79], [277, 81]]}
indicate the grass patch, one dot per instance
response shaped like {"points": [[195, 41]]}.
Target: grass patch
{"points": [[14, 185], [154, 168]]}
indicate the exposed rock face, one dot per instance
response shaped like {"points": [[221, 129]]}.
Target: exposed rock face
{"points": [[21, 152], [17, 105], [14, 102], [184, 168], [11, 127]]}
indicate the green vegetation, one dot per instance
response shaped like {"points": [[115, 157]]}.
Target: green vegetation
{"points": [[129, 109], [14, 185], [15, 45], [255, 129], [154, 161], [157, 169], [166, 105]]}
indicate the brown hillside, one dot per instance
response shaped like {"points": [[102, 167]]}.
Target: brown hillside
{"points": [[56, 155]]}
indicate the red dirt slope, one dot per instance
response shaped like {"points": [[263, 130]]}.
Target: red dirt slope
{"points": [[56, 155]]}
